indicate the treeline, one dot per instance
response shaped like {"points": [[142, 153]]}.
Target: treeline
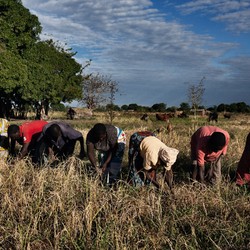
{"points": [[33, 73], [240, 107]]}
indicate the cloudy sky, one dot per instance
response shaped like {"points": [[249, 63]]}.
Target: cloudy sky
{"points": [[156, 49]]}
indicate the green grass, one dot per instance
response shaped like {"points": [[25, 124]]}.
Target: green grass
{"points": [[68, 208]]}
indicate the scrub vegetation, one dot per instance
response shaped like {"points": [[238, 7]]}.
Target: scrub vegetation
{"points": [[68, 207]]}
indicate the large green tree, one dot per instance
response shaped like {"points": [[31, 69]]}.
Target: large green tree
{"points": [[53, 74], [19, 30], [33, 72]]}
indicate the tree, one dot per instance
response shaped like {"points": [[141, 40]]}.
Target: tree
{"points": [[95, 90], [195, 94], [124, 107], [184, 106], [33, 72], [133, 106], [13, 76], [19, 31], [54, 75], [159, 107], [113, 89]]}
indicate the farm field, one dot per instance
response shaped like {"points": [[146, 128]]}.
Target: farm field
{"points": [[68, 208]]}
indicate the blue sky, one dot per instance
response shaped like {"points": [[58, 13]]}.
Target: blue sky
{"points": [[156, 49]]}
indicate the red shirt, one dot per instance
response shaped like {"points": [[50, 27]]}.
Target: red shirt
{"points": [[199, 145], [30, 129]]}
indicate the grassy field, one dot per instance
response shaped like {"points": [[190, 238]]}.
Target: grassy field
{"points": [[68, 208]]}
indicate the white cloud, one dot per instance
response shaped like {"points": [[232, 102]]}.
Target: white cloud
{"points": [[234, 13], [134, 42]]}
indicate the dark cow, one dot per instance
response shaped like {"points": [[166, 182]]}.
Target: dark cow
{"points": [[163, 117], [227, 116], [183, 115], [145, 117], [213, 117]]}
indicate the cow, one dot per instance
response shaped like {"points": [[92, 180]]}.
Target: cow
{"points": [[163, 117], [227, 116], [213, 117], [145, 117], [183, 115]]}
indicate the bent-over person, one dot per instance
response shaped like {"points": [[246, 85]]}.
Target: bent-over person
{"points": [[155, 153], [26, 135], [243, 168], [208, 144], [4, 143], [109, 141], [58, 139]]}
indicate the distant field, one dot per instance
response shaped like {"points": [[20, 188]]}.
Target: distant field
{"points": [[68, 208]]}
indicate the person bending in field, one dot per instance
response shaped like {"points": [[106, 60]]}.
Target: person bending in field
{"points": [[26, 135], [208, 144], [109, 141], [243, 169], [146, 154], [58, 140], [4, 143]]}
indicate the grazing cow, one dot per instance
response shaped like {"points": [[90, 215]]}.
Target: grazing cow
{"points": [[227, 116], [162, 117], [213, 117], [183, 115], [145, 117]]}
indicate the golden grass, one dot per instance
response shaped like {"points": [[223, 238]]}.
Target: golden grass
{"points": [[68, 208]]}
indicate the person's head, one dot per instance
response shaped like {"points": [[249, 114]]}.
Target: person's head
{"points": [[14, 131], [217, 141], [99, 131], [53, 132], [168, 157]]}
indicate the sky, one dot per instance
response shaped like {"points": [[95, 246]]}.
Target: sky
{"points": [[155, 50]]}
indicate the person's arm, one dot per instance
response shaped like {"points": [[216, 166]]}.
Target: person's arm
{"points": [[91, 156], [82, 151], [200, 165], [151, 178], [198, 172], [12, 147], [201, 171], [169, 178], [24, 150], [111, 152], [108, 159]]}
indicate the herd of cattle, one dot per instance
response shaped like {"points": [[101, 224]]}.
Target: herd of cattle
{"points": [[213, 116]]}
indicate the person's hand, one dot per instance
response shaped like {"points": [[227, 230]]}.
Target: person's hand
{"points": [[104, 167], [98, 171]]}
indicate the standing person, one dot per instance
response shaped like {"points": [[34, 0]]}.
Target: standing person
{"points": [[146, 154], [4, 144], [26, 135], [71, 113], [243, 169], [59, 139], [208, 144], [110, 142]]}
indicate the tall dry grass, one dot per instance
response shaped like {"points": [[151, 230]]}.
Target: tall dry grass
{"points": [[68, 207]]}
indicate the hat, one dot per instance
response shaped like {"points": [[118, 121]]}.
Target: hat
{"points": [[168, 156]]}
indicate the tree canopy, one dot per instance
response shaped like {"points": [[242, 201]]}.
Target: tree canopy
{"points": [[33, 72]]}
